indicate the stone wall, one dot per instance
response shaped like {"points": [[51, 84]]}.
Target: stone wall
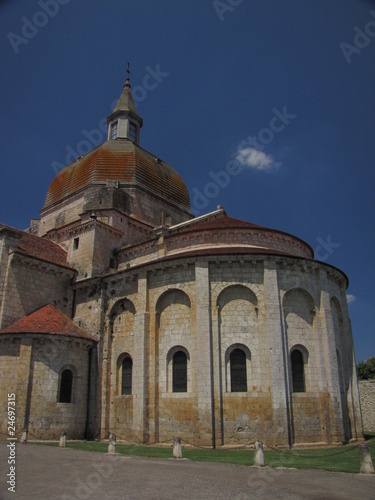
{"points": [[64, 213], [207, 308], [122, 335], [91, 248], [38, 361], [367, 395], [9, 362], [30, 284], [155, 210]]}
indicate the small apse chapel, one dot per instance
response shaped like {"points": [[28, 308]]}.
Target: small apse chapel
{"points": [[123, 313]]}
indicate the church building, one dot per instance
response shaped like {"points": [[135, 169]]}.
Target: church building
{"points": [[121, 312]]}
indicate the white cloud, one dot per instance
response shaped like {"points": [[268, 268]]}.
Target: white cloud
{"points": [[253, 158], [350, 298]]}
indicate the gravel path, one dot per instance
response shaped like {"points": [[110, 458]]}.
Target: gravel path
{"points": [[52, 473]]}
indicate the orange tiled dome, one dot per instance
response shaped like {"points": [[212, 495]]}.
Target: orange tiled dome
{"points": [[126, 162]]}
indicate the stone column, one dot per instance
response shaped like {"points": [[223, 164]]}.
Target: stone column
{"points": [[334, 423], [141, 327], [204, 355], [277, 356]]}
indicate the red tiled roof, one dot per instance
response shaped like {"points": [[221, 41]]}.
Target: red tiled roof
{"points": [[38, 247], [48, 320], [223, 222], [125, 161]]}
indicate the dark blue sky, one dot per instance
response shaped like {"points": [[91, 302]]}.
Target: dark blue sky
{"points": [[211, 79]]}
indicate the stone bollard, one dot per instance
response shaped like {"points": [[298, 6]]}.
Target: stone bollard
{"points": [[258, 455], [365, 460], [23, 439], [62, 442], [112, 444], [177, 450]]}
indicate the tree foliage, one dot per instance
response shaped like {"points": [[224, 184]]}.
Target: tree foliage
{"points": [[366, 369]]}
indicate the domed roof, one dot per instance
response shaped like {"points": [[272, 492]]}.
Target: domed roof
{"points": [[125, 161]]}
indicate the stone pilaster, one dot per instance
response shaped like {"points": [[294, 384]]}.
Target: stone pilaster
{"points": [[277, 356], [354, 405], [218, 376], [334, 424], [204, 355], [104, 369], [141, 328]]}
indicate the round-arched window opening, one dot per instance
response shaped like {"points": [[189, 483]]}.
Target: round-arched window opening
{"points": [[179, 372], [298, 371], [126, 376], [238, 375]]}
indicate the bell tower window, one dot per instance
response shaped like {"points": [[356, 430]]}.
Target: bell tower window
{"points": [[124, 122], [132, 132], [114, 128]]}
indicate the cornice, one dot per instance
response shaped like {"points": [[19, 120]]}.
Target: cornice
{"points": [[92, 224], [41, 264]]}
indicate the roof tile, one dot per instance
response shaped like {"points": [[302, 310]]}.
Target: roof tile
{"points": [[125, 161], [48, 320], [38, 247]]}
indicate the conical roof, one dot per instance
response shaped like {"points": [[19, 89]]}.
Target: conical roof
{"points": [[126, 101], [48, 320], [126, 105]]}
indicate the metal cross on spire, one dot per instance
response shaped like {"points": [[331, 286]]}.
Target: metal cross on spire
{"points": [[127, 83]]}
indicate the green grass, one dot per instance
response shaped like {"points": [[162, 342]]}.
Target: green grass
{"points": [[340, 459]]}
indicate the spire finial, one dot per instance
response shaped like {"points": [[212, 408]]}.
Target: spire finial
{"points": [[127, 83]]}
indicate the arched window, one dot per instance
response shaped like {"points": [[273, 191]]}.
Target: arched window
{"points": [[238, 376], [126, 376], [179, 374], [66, 385], [298, 371]]}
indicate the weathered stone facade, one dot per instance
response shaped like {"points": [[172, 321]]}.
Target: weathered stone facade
{"points": [[212, 329], [367, 395], [32, 367]]}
